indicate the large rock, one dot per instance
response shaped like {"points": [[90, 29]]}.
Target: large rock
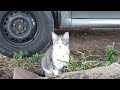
{"points": [[20, 73], [105, 72]]}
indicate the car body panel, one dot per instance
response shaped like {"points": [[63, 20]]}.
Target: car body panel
{"points": [[89, 19], [96, 14]]}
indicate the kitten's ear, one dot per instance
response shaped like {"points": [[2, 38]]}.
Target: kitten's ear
{"points": [[54, 36], [66, 35]]}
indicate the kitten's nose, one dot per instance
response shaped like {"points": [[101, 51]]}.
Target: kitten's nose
{"points": [[60, 41]]}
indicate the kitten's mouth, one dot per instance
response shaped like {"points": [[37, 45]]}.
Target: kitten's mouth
{"points": [[63, 61]]}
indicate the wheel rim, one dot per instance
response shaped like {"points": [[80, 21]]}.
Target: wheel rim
{"points": [[19, 27]]}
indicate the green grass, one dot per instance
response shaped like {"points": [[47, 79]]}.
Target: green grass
{"points": [[18, 60], [25, 63], [78, 61], [110, 54], [84, 62], [109, 57]]}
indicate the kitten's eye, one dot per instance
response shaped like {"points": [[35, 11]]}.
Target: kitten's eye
{"points": [[66, 44], [53, 67]]}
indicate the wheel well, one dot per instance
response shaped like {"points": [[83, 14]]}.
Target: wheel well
{"points": [[56, 18]]}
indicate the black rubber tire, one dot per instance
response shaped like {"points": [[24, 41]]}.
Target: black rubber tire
{"points": [[45, 27]]}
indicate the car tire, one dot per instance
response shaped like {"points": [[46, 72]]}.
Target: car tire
{"points": [[26, 31]]}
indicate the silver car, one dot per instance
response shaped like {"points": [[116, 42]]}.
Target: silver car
{"points": [[30, 31]]}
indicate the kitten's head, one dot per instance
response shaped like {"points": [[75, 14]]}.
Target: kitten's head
{"points": [[60, 39]]}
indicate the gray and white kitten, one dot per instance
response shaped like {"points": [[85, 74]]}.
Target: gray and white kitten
{"points": [[57, 56]]}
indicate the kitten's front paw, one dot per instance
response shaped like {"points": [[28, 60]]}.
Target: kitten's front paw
{"points": [[56, 72]]}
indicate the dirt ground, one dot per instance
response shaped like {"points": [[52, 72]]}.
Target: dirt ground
{"points": [[96, 40], [84, 40]]}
